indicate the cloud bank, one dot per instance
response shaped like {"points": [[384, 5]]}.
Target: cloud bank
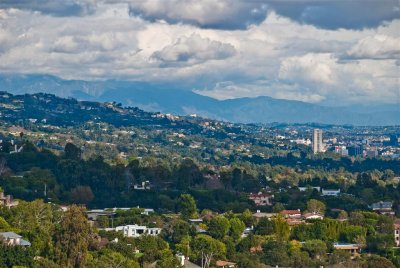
{"points": [[314, 51]]}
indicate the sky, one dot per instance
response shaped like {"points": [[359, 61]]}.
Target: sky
{"points": [[318, 51]]}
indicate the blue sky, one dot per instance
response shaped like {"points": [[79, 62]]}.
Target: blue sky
{"points": [[319, 51]]}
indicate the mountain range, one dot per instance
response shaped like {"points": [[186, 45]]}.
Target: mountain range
{"points": [[172, 99]]}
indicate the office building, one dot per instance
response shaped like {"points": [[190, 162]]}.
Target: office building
{"points": [[317, 144]]}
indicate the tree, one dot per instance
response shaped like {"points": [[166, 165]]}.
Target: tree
{"points": [[343, 215], [187, 207], [265, 227], [276, 253], [72, 152], [184, 246], [315, 206], [236, 228], [218, 227], [281, 228], [278, 207], [300, 259], [247, 218], [168, 260], [72, 238], [375, 261], [112, 259], [4, 226], [179, 231], [82, 195], [316, 248], [37, 220], [205, 248], [339, 256]]}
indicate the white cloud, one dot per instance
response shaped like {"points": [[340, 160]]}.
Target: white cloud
{"points": [[376, 47], [314, 68], [277, 57], [193, 50]]}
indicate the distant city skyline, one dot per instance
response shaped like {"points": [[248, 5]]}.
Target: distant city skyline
{"points": [[315, 51]]}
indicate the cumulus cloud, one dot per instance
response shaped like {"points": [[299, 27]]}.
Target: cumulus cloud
{"points": [[193, 50], [376, 47], [314, 68], [276, 57], [222, 14]]}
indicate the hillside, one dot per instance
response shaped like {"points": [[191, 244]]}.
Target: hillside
{"points": [[172, 99]]}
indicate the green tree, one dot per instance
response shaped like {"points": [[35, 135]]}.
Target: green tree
{"points": [[72, 238], [168, 260], [315, 206], [218, 227], [112, 259], [281, 228], [236, 228], [278, 207], [72, 152], [316, 248], [179, 230], [265, 227], [276, 253], [205, 249], [187, 207]]}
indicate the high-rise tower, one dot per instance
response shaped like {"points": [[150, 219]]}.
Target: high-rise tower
{"points": [[317, 145]]}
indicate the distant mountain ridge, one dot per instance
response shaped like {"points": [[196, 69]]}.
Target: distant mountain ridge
{"points": [[171, 99]]}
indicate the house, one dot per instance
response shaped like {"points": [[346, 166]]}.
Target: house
{"points": [[313, 216], [135, 230], [7, 200], [397, 232], [261, 199], [259, 215], [352, 248], [330, 192], [291, 214], [145, 185], [13, 239], [383, 207], [225, 264], [303, 189]]}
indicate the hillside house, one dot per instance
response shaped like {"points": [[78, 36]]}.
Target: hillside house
{"points": [[397, 232], [330, 192], [135, 230], [384, 208], [261, 199], [13, 239]]}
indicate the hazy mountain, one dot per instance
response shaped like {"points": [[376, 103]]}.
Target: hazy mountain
{"points": [[171, 99]]}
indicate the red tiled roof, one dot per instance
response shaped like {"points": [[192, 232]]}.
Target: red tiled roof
{"points": [[290, 211]]}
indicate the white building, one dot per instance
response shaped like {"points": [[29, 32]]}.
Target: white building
{"points": [[317, 145], [13, 239], [136, 230], [330, 192], [303, 189]]}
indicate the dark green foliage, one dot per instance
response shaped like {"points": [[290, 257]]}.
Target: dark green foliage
{"points": [[12, 256]]}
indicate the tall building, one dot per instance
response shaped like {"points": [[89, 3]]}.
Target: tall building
{"points": [[317, 145]]}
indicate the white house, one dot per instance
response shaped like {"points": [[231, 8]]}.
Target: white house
{"points": [[303, 189], [330, 192], [145, 185], [313, 216], [136, 230], [13, 239]]}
